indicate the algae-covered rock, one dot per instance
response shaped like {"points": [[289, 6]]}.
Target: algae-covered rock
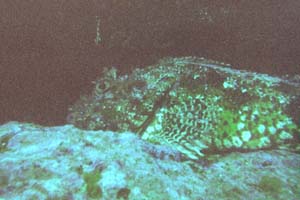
{"points": [[196, 105], [65, 162]]}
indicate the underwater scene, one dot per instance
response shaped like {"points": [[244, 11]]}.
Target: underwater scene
{"points": [[136, 100]]}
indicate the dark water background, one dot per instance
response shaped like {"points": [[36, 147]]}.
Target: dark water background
{"points": [[48, 56]]}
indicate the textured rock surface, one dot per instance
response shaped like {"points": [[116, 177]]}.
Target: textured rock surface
{"points": [[195, 105], [68, 163]]}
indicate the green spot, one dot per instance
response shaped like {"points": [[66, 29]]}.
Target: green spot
{"points": [[272, 130], [261, 128], [227, 143], [243, 117], [240, 126], [4, 139], [285, 135], [246, 135], [280, 124], [264, 142], [4, 179], [123, 193], [91, 180], [236, 141], [218, 143], [270, 185], [253, 144]]}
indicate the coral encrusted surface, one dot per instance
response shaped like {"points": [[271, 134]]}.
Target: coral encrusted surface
{"points": [[67, 163]]}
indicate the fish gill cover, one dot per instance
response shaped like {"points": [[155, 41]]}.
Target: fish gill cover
{"points": [[196, 105]]}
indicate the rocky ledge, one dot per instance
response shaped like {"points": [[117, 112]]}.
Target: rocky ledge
{"points": [[65, 163]]}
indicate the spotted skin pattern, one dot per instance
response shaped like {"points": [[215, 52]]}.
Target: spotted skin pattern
{"points": [[194, 105]]}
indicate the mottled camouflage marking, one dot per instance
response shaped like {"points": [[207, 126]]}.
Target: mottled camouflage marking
{"points": [[194, 105]]}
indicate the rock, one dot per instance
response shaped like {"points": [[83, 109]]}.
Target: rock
{"points": [[68, 163], [196, 105]]}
